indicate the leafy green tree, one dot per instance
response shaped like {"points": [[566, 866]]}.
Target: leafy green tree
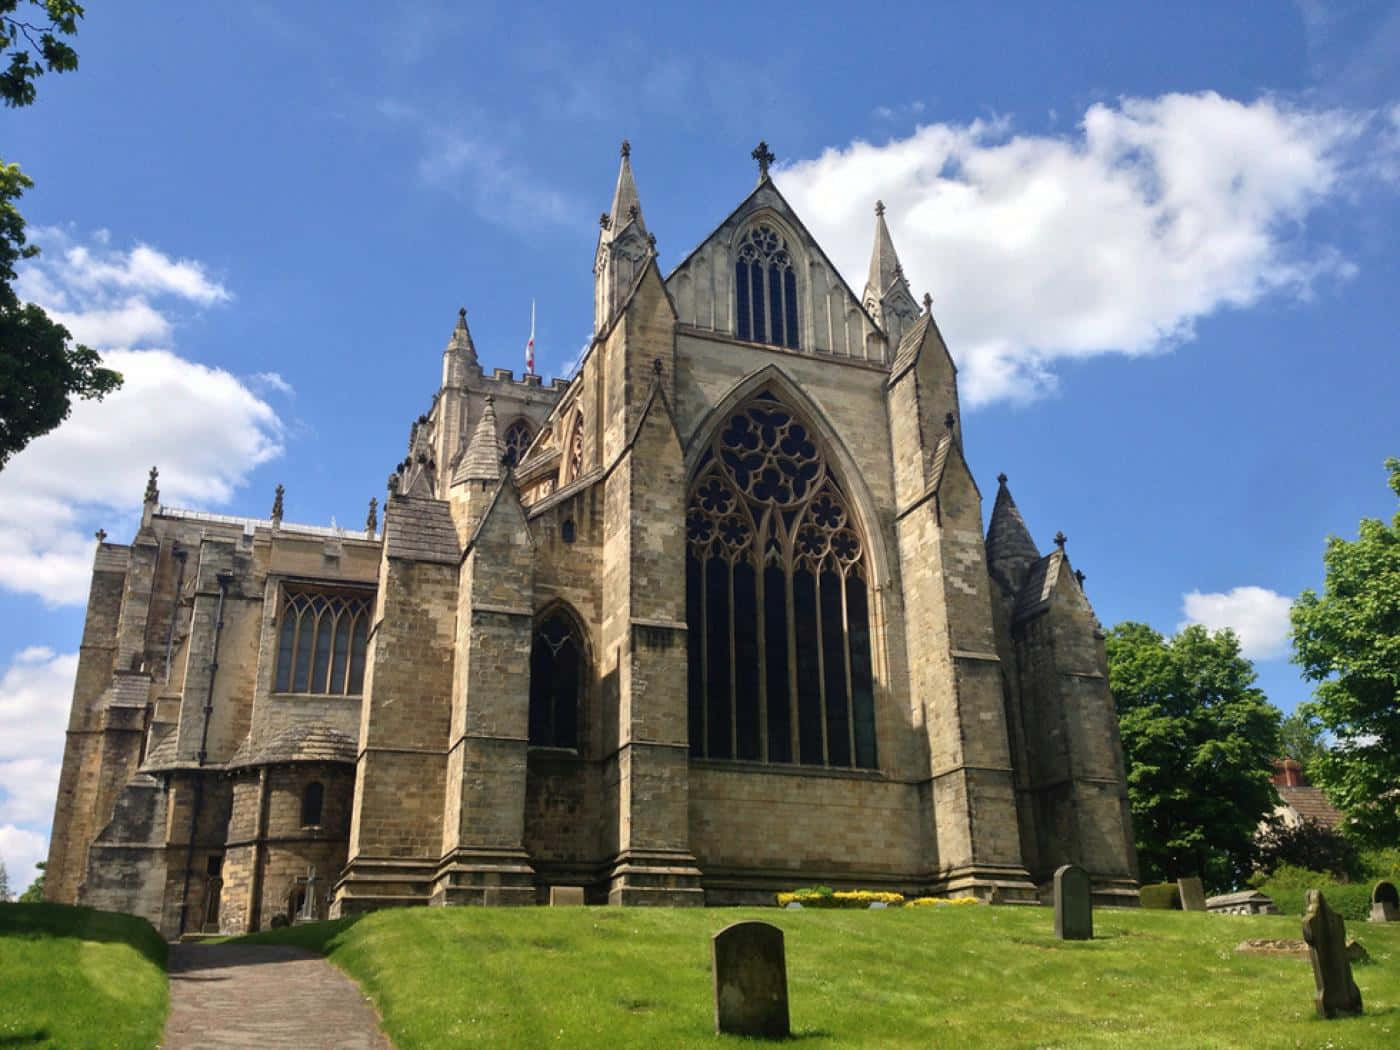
{"points": [[1347, 640], [1199, 740], [4, 882], [1309, 845], [40, 372], [1302, 738], [35, 893]]}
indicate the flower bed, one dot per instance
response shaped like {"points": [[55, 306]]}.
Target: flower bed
{"points": [[825, 897]]}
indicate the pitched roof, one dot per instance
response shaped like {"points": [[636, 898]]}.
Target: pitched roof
{"points": [[482, 459], [420, 530], [296, 743], [1310, 804], [1010, 548], [1040, 582]]}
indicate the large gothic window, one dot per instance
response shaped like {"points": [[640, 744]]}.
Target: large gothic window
{"points": [[765, 286], [556, 682], [776, 600], [321, 643]]}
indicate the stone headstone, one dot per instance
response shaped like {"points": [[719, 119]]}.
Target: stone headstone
{"points": [[1385, 903], [565, 896], [1326, 935], [1193, 894], [750, 971], [1074, 909]]}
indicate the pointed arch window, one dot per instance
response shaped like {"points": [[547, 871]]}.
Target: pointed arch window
{"points": [[321, 643], [765, 285], [517, 440], [312, 800], [556, 682], [776, 600]]}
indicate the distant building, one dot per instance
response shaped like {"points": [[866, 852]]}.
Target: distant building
{"points": [[716, 617], [1300, 801]]}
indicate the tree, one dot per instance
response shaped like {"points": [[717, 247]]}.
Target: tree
{"points": [[4, 882], [1309, 845], [1347, 640], [40, 372], [35, 893], [1302, 738], [1199, 740]]}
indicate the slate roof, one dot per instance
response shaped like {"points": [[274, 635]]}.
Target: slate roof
{"points": [[296, 744], [419, 529], [1041, 578], [1310, 804], [482, 459], [1010, 549], [161, 754]]}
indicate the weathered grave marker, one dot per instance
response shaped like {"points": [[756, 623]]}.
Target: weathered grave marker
{"points": [[1385, 903], [1074, 908], [1326, 934], [1193, 894], [750, 971], [565, 896]]}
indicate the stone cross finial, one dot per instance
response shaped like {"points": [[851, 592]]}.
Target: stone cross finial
{"points": [[1060, 540], [372, 520], [764, 156], [152, 493], [462, 314], [626, 149], [928, 303], [879, 207], [1001, 479], [604, 221], [1079, 578], [101, 535], [277, 503]]}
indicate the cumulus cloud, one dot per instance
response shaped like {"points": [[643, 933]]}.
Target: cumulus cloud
{"points": [[202, 426], [1115, 238], [35, 691], [1257, 615]]}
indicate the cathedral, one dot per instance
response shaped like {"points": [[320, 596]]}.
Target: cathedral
{"points": [[715, 617]]}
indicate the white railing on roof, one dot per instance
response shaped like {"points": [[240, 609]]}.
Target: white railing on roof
{"points": [[332, 531]]}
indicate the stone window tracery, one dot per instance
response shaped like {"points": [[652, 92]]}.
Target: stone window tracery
{"points": [[765, 287], [556, 680], [776, 600], [517, 440], [321, 643]]}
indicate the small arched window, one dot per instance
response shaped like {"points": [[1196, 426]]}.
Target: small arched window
{"points": [[517, 440], [765, 286], [556, 681], [311, 802], [321, 643]]}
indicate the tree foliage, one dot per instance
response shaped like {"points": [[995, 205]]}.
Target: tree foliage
{"points": [[1347, 640], [1309, 845], [1199, 740], [40, 372], [35, 893], [1302, 738], [4, 882]]}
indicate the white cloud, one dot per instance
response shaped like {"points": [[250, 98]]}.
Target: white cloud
{"points": [[21, 849], [272, 381], [1257, 615], [204, 428], [1116, 238]]}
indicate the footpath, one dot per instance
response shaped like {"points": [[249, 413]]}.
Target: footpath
{"points": [[264, 996]]}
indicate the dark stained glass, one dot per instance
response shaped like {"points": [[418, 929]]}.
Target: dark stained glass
{"points": [[311, 802], [775, 641], [746, 699], [756, 284], [695, 642], [838, 739], [741, 286], [862, 689], [555, 680], [717, 657], [809, 689], [775, 305], [790, 302]]}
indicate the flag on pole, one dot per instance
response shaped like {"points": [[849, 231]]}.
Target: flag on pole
{"points": [[530, 346]]}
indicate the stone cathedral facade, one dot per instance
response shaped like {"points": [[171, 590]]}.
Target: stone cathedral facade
{"points": [[714, 618]]}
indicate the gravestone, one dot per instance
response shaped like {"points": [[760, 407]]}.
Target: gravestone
{"points": [[1326, 934], [1193, 894], [750, 980], [565, 896], [1385, 903], [1074, 909]]}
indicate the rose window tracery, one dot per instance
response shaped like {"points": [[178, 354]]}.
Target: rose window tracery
{"points": [[777, 605]]}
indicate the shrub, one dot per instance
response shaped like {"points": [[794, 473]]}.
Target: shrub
{"points": [[940, 902], [1352, 901], [1308, 845], [1163, 895], [825, 897]]}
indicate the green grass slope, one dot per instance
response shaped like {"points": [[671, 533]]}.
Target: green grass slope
{"points": [[74, 977], [939, 977]]}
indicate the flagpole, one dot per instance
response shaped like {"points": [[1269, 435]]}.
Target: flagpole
{"points": [[530, 346]]}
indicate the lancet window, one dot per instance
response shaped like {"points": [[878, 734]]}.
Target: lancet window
{"points": [[765, 285], [321, 643], [517, 440], [556, 682], [777, 602], [312, 800]]}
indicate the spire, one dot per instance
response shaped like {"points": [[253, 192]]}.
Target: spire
{"points": [[884, 263], [277, 505], [626, 205], [372, 519], [1010, 549], [482, 459], [460, 355], [152, 492]]}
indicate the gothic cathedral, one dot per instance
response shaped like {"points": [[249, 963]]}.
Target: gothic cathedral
{"points": [[714, 617]]}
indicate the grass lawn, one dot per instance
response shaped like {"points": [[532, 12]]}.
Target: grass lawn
{"points": [[938, 977], [74, 977]]}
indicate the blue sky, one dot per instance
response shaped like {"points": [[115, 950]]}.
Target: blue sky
{"points": [[1161, 241]]}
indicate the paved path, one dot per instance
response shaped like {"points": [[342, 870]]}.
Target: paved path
{"points": [[264, 996]]}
